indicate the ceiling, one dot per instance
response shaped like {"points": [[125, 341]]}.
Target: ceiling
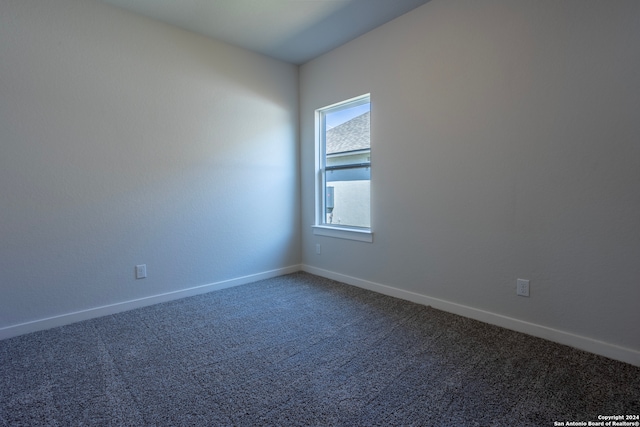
{"points": [[294, 31]]}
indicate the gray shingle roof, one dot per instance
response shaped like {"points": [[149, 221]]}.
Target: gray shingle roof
{"points": [[349, 136]]}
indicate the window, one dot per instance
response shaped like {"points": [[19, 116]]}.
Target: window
{"points": [[344, 169]]}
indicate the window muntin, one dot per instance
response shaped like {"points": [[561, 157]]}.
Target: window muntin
{"points": [[344, 171]]}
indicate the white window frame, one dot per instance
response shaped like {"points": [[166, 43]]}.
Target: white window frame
{"points": [[321, 228]]}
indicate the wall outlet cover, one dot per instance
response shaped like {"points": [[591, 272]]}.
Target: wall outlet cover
{"points": [[522, 287], [141, 271]]}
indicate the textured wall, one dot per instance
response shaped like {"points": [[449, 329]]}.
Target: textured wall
{"points": [[505, 144], [125, 141]]}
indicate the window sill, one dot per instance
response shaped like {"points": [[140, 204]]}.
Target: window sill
{"points": [[343, 233]]}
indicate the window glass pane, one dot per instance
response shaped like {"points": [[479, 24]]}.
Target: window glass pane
{"points": [[346, 152], [351, 204]]}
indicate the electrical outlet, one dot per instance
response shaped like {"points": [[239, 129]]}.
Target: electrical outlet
{"points": [[522, 287], [141, 271], [318, 248]]}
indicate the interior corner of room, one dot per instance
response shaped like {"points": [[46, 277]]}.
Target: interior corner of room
{"points": [[504, 143]]}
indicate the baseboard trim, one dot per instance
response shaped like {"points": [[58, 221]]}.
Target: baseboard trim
{"points": [[78, 316], [601, 348]]}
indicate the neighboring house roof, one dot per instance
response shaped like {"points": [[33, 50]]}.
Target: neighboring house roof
{"points": [[352, 135]]}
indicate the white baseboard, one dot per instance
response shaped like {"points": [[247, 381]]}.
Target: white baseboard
{"points": [[583, 343], [68, 318]]}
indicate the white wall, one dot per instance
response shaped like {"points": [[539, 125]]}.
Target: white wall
{"points": [[126, 141], [505, 144]]}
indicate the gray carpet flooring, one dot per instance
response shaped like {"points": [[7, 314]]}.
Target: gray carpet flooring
{"points": [[302, 350]]}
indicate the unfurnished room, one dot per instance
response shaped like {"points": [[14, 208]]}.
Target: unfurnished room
{"points": [[320, 212]]}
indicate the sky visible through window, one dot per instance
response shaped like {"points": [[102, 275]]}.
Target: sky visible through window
{"points": [[341, 116]]}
